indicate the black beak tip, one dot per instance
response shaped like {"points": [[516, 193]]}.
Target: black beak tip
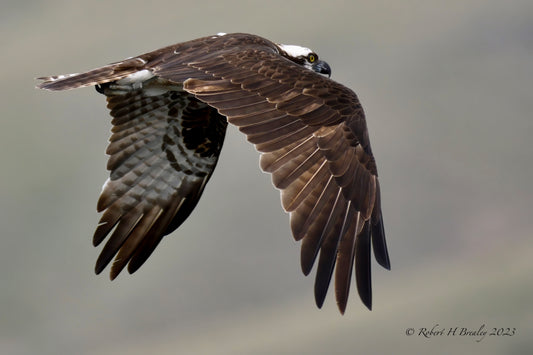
{"points": [[322, 67]]}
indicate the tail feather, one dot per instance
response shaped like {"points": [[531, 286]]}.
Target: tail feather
{"points": [[108, 73]]}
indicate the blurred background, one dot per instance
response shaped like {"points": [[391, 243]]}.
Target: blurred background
{"points": [[447, 88]]}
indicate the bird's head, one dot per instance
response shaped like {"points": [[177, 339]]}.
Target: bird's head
{"points": [[305, 57]]}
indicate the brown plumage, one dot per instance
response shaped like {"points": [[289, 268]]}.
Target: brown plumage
{"points": [[170, 108]]}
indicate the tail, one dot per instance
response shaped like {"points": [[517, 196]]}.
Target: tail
{"points": [[108, 73]]}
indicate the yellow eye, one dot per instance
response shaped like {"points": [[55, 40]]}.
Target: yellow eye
{"points": [[311, 58]]}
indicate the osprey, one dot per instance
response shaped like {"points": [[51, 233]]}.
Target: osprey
{"points": [[170, 109]]}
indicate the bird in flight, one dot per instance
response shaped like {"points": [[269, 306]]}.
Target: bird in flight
{"points": [[170, 109]]}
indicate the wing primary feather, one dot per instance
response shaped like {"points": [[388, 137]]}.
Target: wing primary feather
{"points": [[328, 250], [117, 239], [134, 239], [286, 175], [345, 258], [312, 230], [299, 218], [379, 243], [157, 231], [362, 266], [108, 220], [299, 196]]}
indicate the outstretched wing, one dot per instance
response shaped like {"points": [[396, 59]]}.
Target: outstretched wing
{"points": [[313, 137], [161, 154], [310, 130]]}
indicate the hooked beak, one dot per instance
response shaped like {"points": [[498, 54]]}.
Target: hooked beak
{"points": [[322, 67]]}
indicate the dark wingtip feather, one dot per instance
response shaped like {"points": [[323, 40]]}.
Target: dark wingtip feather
{"points": [[320, 296], [342, 309], [362, 266], [100, 265], [345, 259], [379, 243], [307, 256], [378, 232], [98, 268], [143, 251], [137, 261], [105, 225], [115, 271], [341, 304], [324, 272]]}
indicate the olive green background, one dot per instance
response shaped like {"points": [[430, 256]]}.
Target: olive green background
{"points": [[447, 87]]}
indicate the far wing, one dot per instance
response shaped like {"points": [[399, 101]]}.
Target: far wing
{"points": [[162, 153]]}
